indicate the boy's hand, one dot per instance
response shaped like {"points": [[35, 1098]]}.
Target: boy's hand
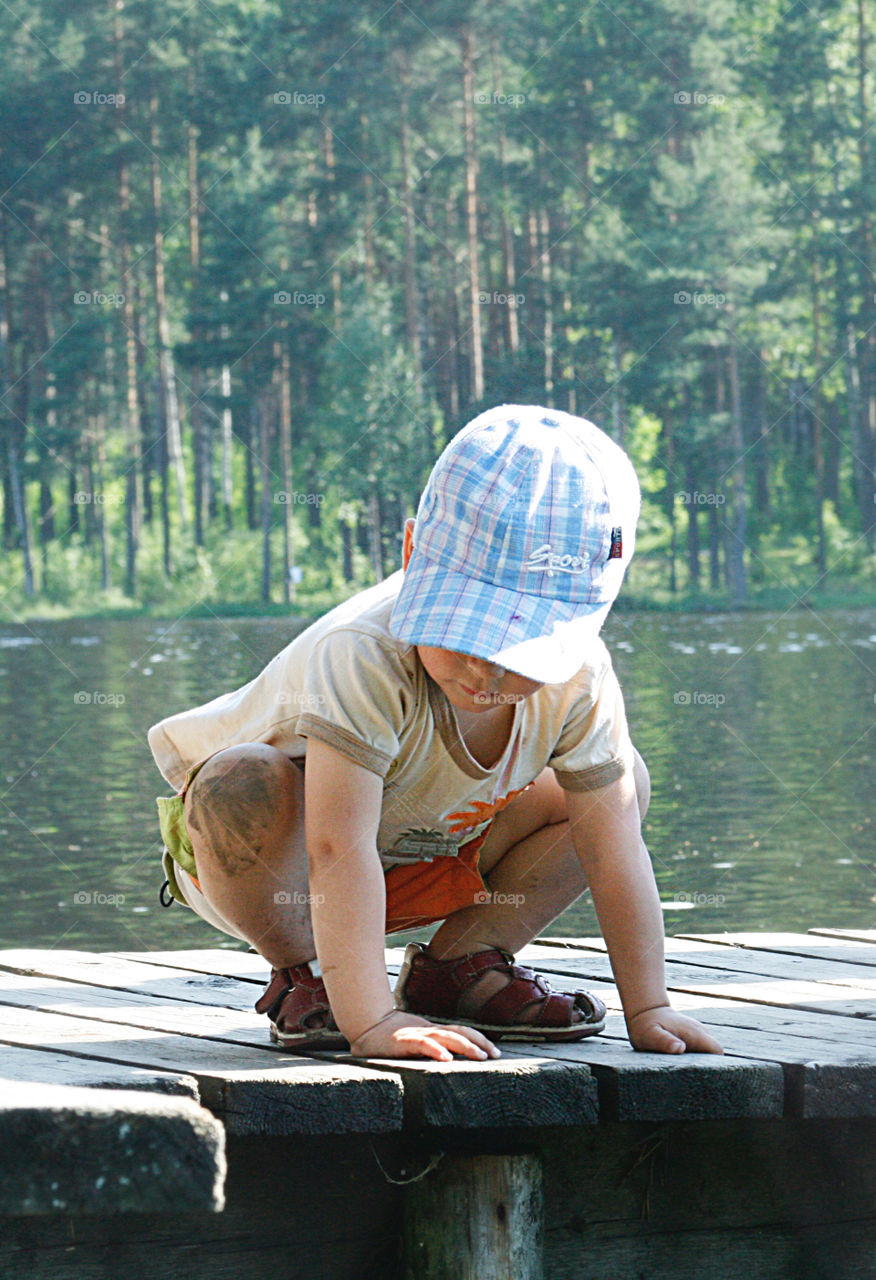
{"points": [[664, 1030], [405, 1035]]}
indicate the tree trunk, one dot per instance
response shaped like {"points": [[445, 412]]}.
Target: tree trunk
{"points": [[714, 548], [283, 373], [738, 532], [761, 453], [618, 425], [227, 428], [346, 549], [14, 430], [133, 496], [669, 437], [163, 451], [476, 391], [375, 543], [265, 408], [453, 323], [815, 391], [509, 271], [166, 370], [693, 528], [100, 515], [368, 203], [547, 290], [151, 422], [197, 416], [412, 302], [867, 422]]}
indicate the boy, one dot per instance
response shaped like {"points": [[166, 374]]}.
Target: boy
{"points": [[467, 761]]}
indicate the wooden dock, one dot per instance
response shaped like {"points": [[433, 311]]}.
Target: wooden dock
{"points": [[147, 1126]]}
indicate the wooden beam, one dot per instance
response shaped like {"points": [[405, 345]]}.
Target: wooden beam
{"points": [[71, 1150], [476, 1218]]}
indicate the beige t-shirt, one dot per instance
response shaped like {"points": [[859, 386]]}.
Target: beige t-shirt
{"points": [[349, 682]]}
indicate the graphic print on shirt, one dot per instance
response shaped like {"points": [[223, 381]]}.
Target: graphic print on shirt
{"points": [[481, 811]]}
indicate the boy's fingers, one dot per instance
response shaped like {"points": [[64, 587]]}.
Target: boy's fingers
{"points": [[705, 1043], [465, 1040]]}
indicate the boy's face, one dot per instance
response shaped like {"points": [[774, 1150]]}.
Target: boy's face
{"points": [[473, 684]]}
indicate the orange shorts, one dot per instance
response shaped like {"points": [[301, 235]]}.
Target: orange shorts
{"points": [[417, 894]]}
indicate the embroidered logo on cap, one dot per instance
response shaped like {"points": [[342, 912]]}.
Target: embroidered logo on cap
{"points": [[617, 544], [551, 562]]}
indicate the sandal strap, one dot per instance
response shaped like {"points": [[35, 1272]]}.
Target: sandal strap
{"points": [[447, 981], [555, 1008], [297, 1001]]}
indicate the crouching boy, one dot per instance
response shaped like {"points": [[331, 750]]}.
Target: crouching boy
{"points": [[447, 746]]}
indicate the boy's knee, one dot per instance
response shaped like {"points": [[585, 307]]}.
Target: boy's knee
{"points": [[642, 779], [240, 789]]}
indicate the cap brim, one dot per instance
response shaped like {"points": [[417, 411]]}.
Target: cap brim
{"points": [[544, 640]]}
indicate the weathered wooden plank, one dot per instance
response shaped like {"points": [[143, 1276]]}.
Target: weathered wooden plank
{"points": [[853, 935], [793, 1251], [347, 1228], [40, 1066], [771, 963], [801, 944], [70, 1150], [105, 1004], [227, 963], [678, 1178], [521, 1091], [820, 1079], [660, 1087], [794, 1034], [253, 1090], [98, 970], [754, 988]]}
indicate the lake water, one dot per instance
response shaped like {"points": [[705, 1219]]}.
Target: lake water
{"points": [[758, 730]]}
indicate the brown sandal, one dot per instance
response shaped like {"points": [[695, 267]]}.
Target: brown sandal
{"points": [[436, 989], [297, 1004]]}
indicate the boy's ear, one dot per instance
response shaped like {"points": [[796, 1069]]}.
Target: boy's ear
{"points": [[408, 542]]}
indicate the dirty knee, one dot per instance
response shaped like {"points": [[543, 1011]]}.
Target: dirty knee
{"points": [[238, 802]]}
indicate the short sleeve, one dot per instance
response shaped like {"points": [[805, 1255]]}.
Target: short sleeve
{"points": [[355, 697], [594, 747]]}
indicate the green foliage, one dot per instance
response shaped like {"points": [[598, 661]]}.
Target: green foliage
{"points": [[678, 198]]}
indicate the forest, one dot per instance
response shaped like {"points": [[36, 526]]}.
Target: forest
{"points": [[259, 261]]}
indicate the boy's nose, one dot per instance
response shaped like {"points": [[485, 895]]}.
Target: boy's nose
{"points": [[485, 670]]}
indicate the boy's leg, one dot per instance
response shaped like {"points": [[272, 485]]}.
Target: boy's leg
{"points": [[244, 813], [529, 858]]}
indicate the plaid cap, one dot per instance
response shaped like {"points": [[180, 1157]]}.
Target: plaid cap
{"points": [[522, 537]]}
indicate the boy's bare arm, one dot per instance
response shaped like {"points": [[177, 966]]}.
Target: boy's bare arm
{"points": [[342, 803], [606, 831]]}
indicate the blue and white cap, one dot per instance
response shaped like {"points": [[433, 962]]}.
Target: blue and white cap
{"points": [[523, 534]]}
